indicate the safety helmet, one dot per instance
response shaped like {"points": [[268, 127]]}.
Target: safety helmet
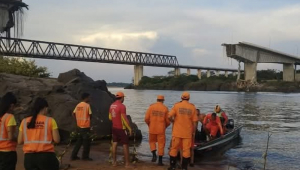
{"points": [[217, 109]]}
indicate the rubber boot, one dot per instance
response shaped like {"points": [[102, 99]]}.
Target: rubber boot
{"points": [[172, 163], [185, 162], [154, 157], [160, 163]]}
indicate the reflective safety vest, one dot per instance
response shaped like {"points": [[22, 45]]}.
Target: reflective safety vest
{"points": [[38, 139], [82, 112], [5, 144]]}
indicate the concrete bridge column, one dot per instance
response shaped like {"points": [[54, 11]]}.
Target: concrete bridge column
{"points": [[199, 74], [226, 73], [188, 71], [177, 71], [250, 71], [288, 72], [208, 73], [138, 74], [217, 73]]}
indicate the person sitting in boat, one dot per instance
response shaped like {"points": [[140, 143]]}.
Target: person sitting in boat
{"points": [[201, 135], [213, 126], [222, 115]]}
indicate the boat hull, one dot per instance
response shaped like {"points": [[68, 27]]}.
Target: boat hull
{"points": [[219, 142]]}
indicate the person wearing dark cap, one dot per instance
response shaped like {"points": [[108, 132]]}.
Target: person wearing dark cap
{"points": [[157, 120], [83, 113], [184, 119], [120, 123]]}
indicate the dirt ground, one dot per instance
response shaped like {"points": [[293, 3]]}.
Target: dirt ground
{"points": [[100, 155]]}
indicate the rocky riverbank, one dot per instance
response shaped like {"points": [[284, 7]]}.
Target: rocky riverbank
{"points": [[62, 95]]}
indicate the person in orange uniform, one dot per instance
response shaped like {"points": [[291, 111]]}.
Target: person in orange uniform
{"points": [[83, 114], [37, 133], [222, 115], [212, 124], [8, 143], [120, 123], [157, 120], [184, 119]]}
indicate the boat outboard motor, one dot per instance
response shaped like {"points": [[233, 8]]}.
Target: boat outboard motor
{"points": [[230, 124]]}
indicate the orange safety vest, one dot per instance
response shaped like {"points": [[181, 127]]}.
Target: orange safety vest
{"points": [[5, 144], [83, 115], [38, 139]]}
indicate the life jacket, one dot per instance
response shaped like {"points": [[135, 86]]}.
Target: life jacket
{"points": [[40, 138], [5, 144], [83, 115]]}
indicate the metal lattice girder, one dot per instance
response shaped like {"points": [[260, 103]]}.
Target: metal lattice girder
{"points": [[60, 51]]}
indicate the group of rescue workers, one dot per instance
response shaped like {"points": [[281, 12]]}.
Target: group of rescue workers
{"points": [[38, 132]]}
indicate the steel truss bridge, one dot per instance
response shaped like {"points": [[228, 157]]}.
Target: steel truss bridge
{"points": [[60, 51]]}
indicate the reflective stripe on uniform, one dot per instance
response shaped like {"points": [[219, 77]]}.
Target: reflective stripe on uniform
{"points": [[45, 133], [2, 128]]}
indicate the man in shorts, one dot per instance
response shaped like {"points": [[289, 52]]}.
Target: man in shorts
{"points": [[120, 123]]}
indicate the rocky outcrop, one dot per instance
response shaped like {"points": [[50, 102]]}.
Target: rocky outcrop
{"points": [[62, 95]]}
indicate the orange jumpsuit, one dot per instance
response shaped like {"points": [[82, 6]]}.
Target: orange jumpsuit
{"points": [[213, 126], [185, 116], [157, 120]]}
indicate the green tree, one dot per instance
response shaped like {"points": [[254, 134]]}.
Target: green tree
{"points": [[21, 66]]}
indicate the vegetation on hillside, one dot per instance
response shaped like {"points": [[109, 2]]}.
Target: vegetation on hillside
{"points": [[191, 82], [20, 66]]}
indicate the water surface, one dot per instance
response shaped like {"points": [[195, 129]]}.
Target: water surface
{"points": [[260, 113]]}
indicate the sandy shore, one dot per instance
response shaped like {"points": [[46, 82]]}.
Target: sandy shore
{"points": [[100, 155]]}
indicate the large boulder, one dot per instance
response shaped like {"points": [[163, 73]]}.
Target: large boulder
{"points": [[62, 94]]}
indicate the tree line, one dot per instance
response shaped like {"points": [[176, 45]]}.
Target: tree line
{"points": [[21, 66]]}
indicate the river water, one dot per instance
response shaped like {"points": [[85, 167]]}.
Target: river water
{"points": [[259, 113]]}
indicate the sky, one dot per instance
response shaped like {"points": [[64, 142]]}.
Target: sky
{"points": [[191, 30]]}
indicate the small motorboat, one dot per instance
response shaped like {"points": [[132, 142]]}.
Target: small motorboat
{"points": [[232, 134]]}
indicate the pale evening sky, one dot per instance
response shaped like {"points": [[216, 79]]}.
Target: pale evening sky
{"points": [[191, 30]]}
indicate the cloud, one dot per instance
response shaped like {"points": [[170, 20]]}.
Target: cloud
{"points": [[193, 31], [114, 39]]}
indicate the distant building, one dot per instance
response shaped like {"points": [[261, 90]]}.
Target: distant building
{"points": [[11, 16]]}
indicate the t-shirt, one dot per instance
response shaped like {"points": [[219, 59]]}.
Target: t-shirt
{"points": [[54, 125], [184, 114], [117, 113]]}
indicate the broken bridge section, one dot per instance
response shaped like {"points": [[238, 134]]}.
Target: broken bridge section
{"points": [[251, 54]]}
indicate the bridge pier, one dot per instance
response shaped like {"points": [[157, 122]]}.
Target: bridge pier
{"points": [[288, 72], [226, 73], [250, 71], [199, 74], [177, 71], [188, 72], [208, 73], [217, 73], [138, 74]]}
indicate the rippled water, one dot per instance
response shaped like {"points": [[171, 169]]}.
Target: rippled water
{"points": [[260, 113]]}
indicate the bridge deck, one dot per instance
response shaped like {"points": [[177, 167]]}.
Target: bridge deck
{"points": [[60, 51]]}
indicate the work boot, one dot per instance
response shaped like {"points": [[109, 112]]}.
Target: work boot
{"points": [[172, 163], [154, 157], [185, 162], [75, 158], [160, 161]]}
